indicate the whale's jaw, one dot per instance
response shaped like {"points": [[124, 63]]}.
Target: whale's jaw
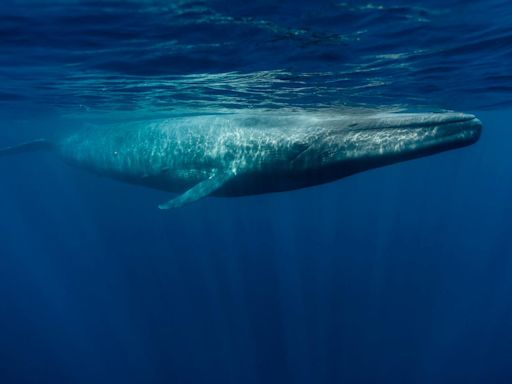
{"points": [[410, 136], [378, 140]]}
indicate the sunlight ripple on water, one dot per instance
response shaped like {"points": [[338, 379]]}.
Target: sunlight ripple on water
{"points": [[217, 55]]}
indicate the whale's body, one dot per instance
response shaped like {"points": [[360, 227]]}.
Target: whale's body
{"points": [[245, 154]]}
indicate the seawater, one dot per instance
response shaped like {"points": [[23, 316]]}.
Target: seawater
{"points": [[396, 275]]}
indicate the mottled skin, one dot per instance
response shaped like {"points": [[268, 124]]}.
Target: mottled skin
{"points": [[265, 152], [176, 154]]}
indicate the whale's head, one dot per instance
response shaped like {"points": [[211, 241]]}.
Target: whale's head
{"points": [[359, 143]]}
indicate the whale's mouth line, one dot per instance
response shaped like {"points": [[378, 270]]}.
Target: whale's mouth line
{"points": [[463, 121], [449, 122]]}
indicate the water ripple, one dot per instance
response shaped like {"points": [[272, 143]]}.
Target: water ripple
{"points": [[155, 55]]}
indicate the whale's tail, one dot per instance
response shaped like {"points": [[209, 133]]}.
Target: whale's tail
{"points": [[30, 146]]}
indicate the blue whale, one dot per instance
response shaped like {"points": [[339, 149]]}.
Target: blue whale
{"points": [[259, 152]]}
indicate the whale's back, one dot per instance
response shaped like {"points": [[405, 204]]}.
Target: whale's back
{"points": [[174, 154]]}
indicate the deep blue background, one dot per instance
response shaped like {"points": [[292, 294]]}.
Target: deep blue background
{"points": [[398, 275]]}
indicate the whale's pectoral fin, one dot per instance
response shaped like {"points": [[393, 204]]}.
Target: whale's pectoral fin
{"points": [[198, 191]]}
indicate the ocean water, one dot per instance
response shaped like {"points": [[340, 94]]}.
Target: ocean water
{"points": [[396, 275]]}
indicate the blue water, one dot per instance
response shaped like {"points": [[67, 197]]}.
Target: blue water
{"points": [[396, 275]]}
